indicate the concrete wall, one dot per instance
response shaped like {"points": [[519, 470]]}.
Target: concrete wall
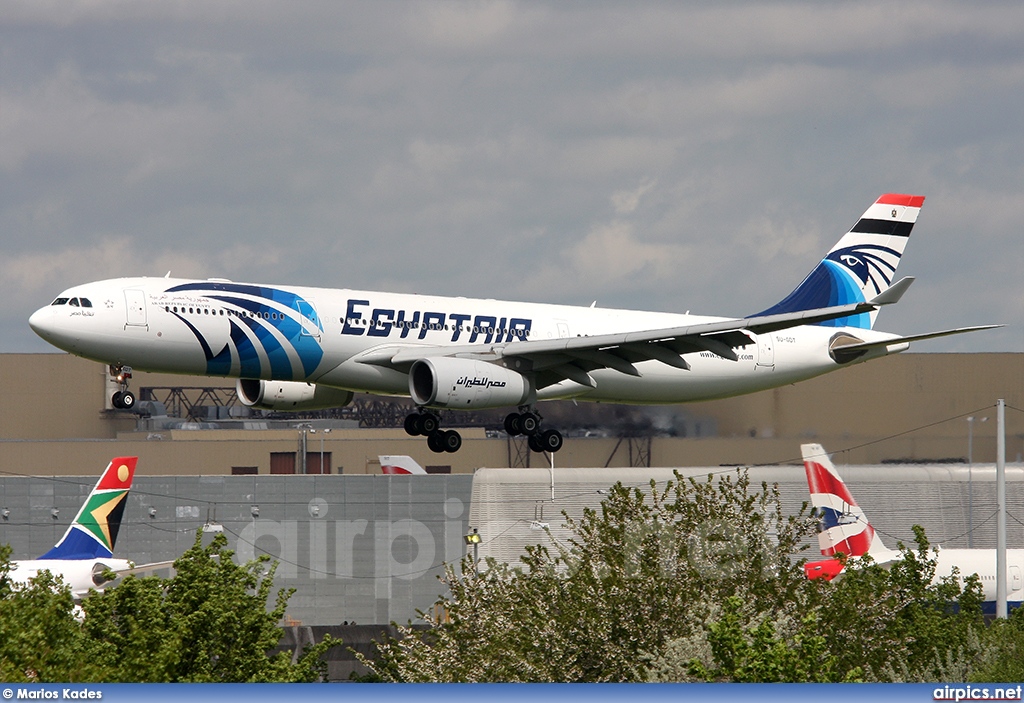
{"points": [[365, 549]]}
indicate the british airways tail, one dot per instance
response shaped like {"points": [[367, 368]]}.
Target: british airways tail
{"points": [[94, 530], [400, 465], [861, 266], [844, 527]]}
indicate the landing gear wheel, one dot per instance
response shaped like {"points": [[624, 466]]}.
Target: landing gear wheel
{"points": [[411, 424], [533, 441], [123, 400], [428, 424], [528, 423], [512, 427], [452, 441], [435, 441], [551, 440], [421, 424]]}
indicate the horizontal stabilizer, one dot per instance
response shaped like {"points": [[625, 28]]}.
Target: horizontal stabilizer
{"points": [[847, 349], [144, 568], [893, 293]]}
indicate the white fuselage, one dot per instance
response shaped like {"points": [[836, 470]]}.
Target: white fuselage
{"points": [[983, 563], [80, 574], [319, 335]]}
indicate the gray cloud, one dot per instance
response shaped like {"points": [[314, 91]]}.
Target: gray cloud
{"points": [[648, 155]]}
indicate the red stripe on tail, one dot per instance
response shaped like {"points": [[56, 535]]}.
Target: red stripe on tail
{"points": [[900, 199]]}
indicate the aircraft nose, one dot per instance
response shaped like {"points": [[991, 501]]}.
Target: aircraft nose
{"points": [[42, 323]]}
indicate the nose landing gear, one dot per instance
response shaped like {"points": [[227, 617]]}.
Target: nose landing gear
{"points": [[123, 399]]}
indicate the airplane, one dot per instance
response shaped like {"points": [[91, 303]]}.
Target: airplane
{"points": [[395, 465], [85, 552], [846, 530], [298, 348]]}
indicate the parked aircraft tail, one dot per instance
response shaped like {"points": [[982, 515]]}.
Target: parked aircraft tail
{"points": [[861, 266], [397, 465], [844, 526], [94, 530]]}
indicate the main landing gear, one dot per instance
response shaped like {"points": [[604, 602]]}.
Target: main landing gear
{"points": [[528, 423], [428, 425], [123, 399]]}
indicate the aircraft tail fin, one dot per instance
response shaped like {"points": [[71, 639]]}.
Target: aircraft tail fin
{"points": [[93, 532], [861, 266], [844, 526], [398, 465]]}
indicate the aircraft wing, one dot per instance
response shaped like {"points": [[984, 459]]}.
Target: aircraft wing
{"points": [[573, 358]]}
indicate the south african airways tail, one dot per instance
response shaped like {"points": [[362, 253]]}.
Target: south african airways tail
{"points": [[93, 532], [83, 558]]}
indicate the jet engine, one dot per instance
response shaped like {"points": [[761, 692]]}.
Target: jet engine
{"points": [[446, 382], [290, 395]]}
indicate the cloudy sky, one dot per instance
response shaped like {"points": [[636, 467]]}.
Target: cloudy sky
{"points": [[651, 155]]}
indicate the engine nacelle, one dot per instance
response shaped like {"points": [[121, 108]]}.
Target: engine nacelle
{"points": [[446, 382], [290, 395]]}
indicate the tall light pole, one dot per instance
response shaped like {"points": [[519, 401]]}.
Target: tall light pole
{"points": [[970, 481], [1001, 606], [304, 427], [326, 430]]}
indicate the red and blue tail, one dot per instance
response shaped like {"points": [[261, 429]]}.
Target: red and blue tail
{"points": [[861, 265], [94, 530], [844, 527]]}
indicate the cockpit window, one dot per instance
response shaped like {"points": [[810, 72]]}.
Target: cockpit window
{"points": [[86, 303], [60, 301], [74, 302]]}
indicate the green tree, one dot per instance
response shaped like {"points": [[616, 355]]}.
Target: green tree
{"points": [[896, 621], [209, 623], [1001, 657], [698, 582], [40, 638], [738, 644], [642, 571]]}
